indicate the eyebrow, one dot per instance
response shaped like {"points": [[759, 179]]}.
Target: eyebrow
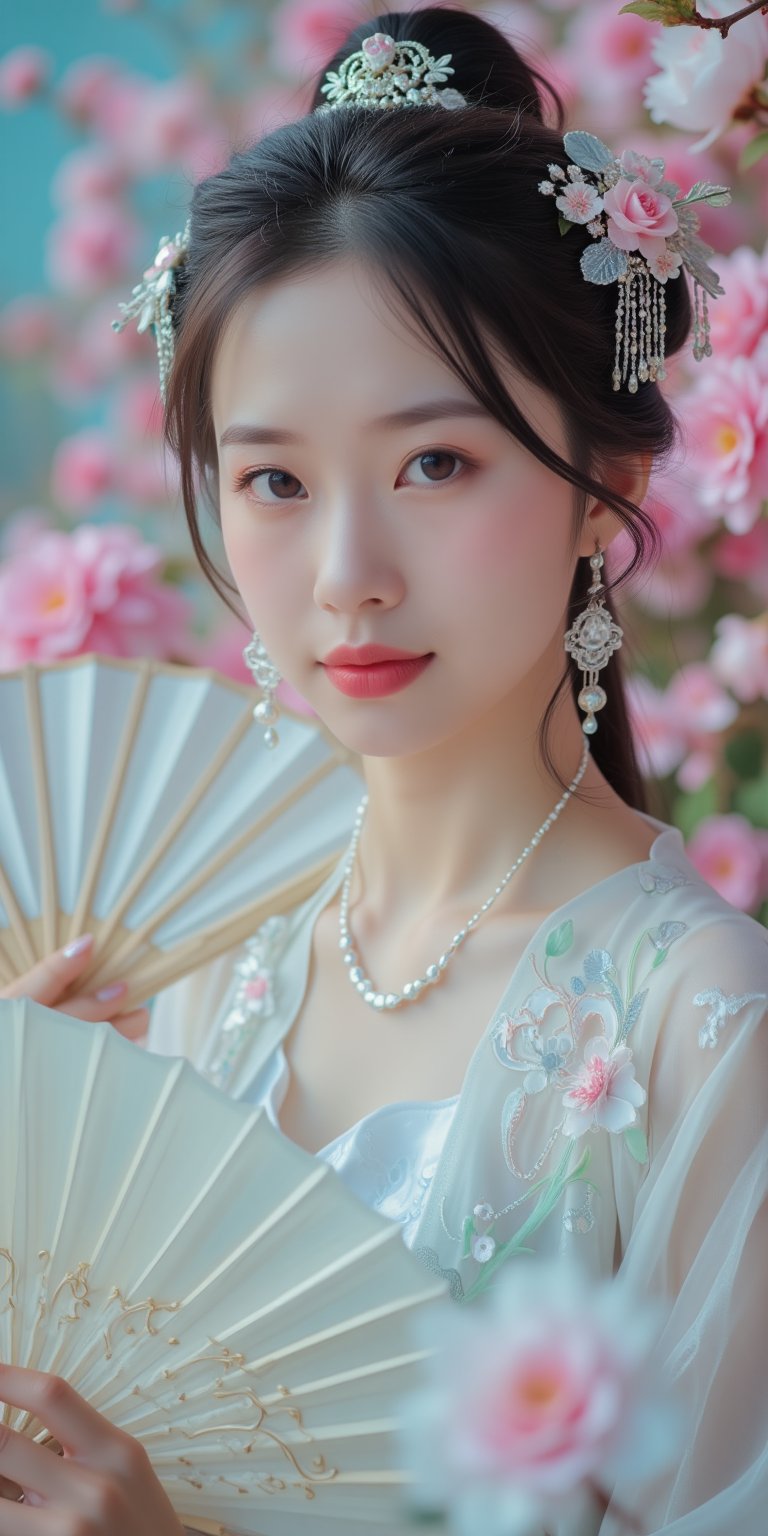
{"points": [[412, 415]]}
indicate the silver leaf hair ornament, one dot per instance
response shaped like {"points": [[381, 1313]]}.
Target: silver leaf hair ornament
{"points": [[152, 299], [644, 233]]}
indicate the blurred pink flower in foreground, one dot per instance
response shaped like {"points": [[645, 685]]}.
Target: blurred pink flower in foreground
{"points": [[94, 589], [23, 73], [678, 728], [733, 856], [536, 1399], [91, 246], [610, 55], [739, 656], [704, 77], [740, 316]]}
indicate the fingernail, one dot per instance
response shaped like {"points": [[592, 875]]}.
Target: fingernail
{"points": [[77, 946], [107, 993]]}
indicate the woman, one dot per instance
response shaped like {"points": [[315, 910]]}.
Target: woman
{"points": [[397, 393]]}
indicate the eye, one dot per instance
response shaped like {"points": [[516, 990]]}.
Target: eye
{"points": [[284, 485], [441, 461]]}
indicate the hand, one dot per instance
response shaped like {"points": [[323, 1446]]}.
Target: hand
{"points": [[103, 1485], [50, 978]]}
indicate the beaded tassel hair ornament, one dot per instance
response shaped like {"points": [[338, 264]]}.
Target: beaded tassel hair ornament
{"points": [[645, 234]]}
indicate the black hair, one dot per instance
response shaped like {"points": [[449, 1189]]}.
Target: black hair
{"points": [[446, 204]]}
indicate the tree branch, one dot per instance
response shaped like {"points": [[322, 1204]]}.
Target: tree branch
{"points": [[723, 24]]}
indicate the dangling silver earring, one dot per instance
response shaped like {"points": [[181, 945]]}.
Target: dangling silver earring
{"points": [[591, 641], [265, 673]]}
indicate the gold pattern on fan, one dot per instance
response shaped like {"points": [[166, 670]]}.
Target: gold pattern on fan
{"points": [[270, 1484]]}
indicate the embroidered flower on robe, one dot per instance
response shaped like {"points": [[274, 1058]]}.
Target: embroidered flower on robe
{"points": [[604, 1093]]}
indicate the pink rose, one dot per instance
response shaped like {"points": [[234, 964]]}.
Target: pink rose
{"points": [[547, 1391], [730, 854], [23, 73], [704, 77], [639, 217]]}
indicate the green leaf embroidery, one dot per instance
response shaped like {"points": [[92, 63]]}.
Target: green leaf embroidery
{"points": [[661, 954], [637, 1145], [551, 1189], [469, 1230], [564, 224], [560, 939]]}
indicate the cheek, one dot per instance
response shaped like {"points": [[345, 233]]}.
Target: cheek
{"points": [[514, 558], [260, 564]]}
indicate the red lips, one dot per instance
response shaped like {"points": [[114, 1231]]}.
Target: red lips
{"points": [[367, 655]]}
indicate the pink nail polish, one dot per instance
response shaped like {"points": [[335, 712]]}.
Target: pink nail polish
{"points": [[107, 993], [77, 946]]}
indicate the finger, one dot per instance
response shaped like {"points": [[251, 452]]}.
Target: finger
{"points": [[33, 1468], [49, 978], [80, 1429], [133, 1025]]}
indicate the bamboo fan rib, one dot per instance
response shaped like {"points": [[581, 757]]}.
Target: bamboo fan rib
{"points": [[138, 802], [206, 1284]]}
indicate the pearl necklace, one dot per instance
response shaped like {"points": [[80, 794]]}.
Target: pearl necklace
{"points": [[412, 989]]}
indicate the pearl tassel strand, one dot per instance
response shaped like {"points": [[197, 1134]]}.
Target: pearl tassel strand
{"points": [[412, 989]]}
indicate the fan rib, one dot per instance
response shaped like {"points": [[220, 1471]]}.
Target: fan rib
{"points": [[101, 837], [133, 939], [48, 879]]}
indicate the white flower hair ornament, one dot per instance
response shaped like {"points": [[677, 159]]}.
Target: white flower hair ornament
{"points": [[645, 233]]}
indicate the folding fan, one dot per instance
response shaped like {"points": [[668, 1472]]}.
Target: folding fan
{"points": [[205, 1283], [139, 803]]}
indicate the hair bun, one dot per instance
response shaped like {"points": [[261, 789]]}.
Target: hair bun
{"points": [[488, 69]]}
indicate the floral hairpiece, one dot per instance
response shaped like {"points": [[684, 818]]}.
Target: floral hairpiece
{"points": [[151, 299], [385, 73], [645, 233]]}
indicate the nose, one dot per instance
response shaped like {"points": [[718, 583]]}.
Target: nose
{"points": [[356, 564]]}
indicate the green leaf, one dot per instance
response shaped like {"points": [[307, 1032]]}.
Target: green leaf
{"points": [[661, 954], [691, 808], [751, 800], [754, 151], [469, 1228], [744, 754], [671, 13], [563, 224], [637, 1145], [560, 939]]}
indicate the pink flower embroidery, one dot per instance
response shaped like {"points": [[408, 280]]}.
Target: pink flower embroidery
{"points": [[639, 217], [604, 1093]]}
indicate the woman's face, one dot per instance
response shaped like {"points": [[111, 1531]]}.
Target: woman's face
{"points": [[433, 531]]}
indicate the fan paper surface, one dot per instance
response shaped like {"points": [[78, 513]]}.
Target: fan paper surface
{"points": [[206, 1284], [139, 803]]}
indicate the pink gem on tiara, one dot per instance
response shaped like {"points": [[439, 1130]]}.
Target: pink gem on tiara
{"points": [[379, 50]]}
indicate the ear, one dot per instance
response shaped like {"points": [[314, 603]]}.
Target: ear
{"points": [[601, 525]]}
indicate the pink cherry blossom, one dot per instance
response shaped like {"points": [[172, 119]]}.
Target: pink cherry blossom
{"points": [[703, 77], [154, 124], [548, 1390], [726, 420], [87, 174], [29, 325], [85, 86], [610, 56], [91, 247], [699, 701], [604, 1094], [308, 32], [739, 655], [84, 470], [94, 589], [665, 264], [730, 854], [23, 73], [639, 217]]}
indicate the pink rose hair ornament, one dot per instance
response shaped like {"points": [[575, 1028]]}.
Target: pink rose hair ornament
{"points": [[644, 233]]}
